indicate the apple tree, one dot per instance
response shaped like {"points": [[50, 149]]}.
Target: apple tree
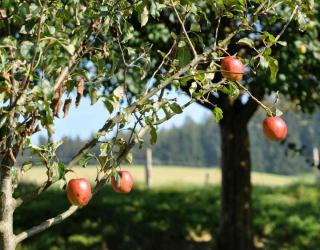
{"points": [[126, 54], [279, 43]]}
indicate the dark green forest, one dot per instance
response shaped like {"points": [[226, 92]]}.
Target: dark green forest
{"points": [[198, 144]]}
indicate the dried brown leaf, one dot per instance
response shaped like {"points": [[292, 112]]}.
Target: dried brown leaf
{"points": [[66, 106], [80, 89]]}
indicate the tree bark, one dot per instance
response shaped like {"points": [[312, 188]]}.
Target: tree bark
{"points": [[235, 228], [7, 238]]}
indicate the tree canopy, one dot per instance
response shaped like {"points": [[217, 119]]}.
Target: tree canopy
{"points": [[126, 53]]}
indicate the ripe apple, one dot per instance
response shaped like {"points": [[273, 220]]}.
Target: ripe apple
{"points": [[275, 128], [232, 68], [126, 182], [79, 191]]}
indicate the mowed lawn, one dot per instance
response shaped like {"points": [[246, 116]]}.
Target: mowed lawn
{"points": [[172, 175]]}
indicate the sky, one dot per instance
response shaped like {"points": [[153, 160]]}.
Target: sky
{"points": [[87, 119]]}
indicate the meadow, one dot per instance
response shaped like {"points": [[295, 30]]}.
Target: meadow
{"points": [[180, 211], [173, 175]]}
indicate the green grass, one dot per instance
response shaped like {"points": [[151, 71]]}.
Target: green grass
{"points": [[163, 218], [173, 175]]}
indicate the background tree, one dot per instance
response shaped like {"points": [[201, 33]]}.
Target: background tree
{"points": [[54, 52], [251, 28]]}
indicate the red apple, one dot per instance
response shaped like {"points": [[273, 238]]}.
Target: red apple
{"points": [[232, 68], [79, 191], [126, 182], [275, 128]]}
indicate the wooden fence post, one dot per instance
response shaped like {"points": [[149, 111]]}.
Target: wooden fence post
{"points": [[315, 153], [148, 166]]}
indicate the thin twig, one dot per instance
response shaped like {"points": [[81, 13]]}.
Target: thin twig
{"points": [[287, 24], [217, 28], [266, 108], [216, 34], [280, 33], [69, 68], [184, 31], [122, 53], [260, 7], [161, 64]]}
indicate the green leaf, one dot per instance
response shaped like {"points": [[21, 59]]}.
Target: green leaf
{"points": [[267, 52], [118, 179], [128, 157], [195, 27], [153, 133], [60, 170], [193, 88], [181, 44], [25, 49], [282, 43], [70, 48], [302, 20], [93, 96], [246, 41], [264, 63], [144, 16], [34, 9], [83, 162], [119, 91], [175, 108], [274, 67], [104, 149], [218, 114], [184, 56], [26, 166], [108, 105], [278, 112], [52, 30]]}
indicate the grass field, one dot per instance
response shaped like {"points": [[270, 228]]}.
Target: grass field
{"points": [[171, 175], [166, 218]]}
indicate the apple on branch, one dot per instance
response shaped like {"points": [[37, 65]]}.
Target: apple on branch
{"points": [[275, 128], [79, 191], [232, 68], [124, 183]]}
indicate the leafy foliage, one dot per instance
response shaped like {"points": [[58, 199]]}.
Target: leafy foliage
{"points": [[125, 54]]}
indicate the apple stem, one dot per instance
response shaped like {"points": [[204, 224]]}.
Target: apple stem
{"points": [[266, 108]]}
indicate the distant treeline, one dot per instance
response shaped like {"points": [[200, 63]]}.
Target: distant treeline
{"points": [[198, 144]]}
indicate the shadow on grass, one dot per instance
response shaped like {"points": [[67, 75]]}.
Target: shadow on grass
{"points": [[165, 219], [144, 219]]}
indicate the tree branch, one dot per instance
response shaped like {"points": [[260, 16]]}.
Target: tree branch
{"points": [[61, 217], [46, 224], [111, 122]]}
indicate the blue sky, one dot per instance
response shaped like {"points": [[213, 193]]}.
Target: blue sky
{"points": [[87, 119]]}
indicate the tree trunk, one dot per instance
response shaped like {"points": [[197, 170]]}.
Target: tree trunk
{"points": [[7, 240], [235, 229]]}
